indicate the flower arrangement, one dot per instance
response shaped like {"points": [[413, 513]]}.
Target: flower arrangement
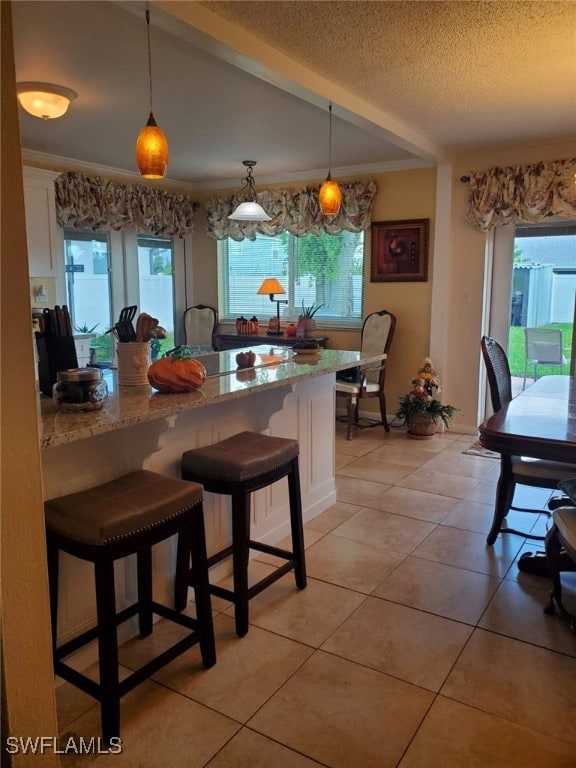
{"points": [[420, 401]]}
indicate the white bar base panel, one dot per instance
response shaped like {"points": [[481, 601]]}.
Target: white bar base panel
{"points": [[303, 410]]}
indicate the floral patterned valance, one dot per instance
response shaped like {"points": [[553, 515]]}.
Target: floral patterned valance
{"points": [[296, 212], [92, 203], [524, 193]]}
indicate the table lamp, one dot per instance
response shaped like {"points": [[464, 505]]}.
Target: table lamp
{"points": [[272, 286]]}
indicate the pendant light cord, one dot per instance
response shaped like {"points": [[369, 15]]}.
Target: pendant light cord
{"points": [[149, 59], [330, 140]]}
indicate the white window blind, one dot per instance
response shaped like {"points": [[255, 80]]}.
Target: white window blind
{"points": [[312, 270]]}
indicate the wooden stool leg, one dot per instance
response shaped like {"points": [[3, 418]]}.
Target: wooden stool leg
{"points": [[53, 563], [107, 647], [296, 524], [183, 573], [201, 585], [144, 568], [241, 555]]}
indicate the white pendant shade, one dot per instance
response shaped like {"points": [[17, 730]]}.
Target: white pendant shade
{"points": [[249, 211]]}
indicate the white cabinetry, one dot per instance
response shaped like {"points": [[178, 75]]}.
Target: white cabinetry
{"points": [[43, 234]]}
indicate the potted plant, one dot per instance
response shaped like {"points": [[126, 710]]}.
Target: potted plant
{"points": [[419, 409], [307, 320]]}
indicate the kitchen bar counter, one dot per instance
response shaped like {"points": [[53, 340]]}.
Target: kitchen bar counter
{"points": [[283, 395], [275, 367]]}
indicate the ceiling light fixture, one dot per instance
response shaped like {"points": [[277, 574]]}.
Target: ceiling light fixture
{"points": [[330, 195], [249, 210], [44, 100], [151, 145]]}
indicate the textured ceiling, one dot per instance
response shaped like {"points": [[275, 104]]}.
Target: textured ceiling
{"points": [[409, 81], [468, 74]]}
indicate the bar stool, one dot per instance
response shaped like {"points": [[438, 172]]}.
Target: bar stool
{"points": [[236, 467], [111, 521]]}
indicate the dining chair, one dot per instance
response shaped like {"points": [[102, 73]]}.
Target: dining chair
{"points": [[377, 334], [543, 346], [537, 473], [200, 324]]}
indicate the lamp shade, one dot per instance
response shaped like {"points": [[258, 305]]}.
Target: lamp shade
{"points": [[270, 286], [249, 211], [152, 151], [44, 100], [330, 197]]}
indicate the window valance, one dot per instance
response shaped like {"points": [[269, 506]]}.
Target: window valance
{"points": [[523, 193], [297, 212], [92, 203]]}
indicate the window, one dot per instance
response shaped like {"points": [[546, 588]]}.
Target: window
{"points": [[87, 267], [324, 270]]}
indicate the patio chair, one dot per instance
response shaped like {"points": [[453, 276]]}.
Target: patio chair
{"points": [[543, 347]]}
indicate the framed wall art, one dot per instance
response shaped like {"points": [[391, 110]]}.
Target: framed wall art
{"points": [[399, 251]]}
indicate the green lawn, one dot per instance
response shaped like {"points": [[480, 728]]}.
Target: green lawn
{"points": [[516, 350]]}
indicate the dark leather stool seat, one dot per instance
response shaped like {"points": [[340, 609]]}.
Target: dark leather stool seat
{"points": [[111, 521], [236, 467]]}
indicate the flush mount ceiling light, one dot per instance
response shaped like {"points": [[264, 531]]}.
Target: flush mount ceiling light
{"points": [[330, 195], [44, 100], [249, 210], [151, 145]]}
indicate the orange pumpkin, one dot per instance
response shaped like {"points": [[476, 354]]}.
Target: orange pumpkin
{"points": [[176, 374]]}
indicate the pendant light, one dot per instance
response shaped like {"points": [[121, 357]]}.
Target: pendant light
{"points": [[151, 145], [249, 210], [330, 196]]}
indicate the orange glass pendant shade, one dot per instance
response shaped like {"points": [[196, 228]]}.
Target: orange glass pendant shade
{"points": [[152, 151], [330, 197]]}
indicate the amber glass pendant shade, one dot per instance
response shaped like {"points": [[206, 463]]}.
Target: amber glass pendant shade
{"points": [[152, 151], [330, 197]]}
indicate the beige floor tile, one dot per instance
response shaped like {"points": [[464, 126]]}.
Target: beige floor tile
{"points": [[405, 643], [409, 503], [249, 749], [438, 482], [247, 672], [355, 491], [382, 529], [333, 517], [343, 715], [459, 464], [455, 736], [530, 686], [308, 616], [466, 549], [517, 610], [455, 593], [342, 459], [349, 563], [311, 536], [403, 454], [377, 471], [158, 728], [484, 492], [361, 443], [471, 516]]}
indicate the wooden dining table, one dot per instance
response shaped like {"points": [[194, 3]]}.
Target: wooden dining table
{"points": [[540, 422]]}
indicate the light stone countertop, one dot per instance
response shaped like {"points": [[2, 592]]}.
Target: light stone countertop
{"points": [[126, 407]]}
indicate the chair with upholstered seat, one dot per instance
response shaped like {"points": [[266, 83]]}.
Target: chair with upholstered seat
{"points": [[514, 470], [543, 346], [377, 334], [200, 324]]}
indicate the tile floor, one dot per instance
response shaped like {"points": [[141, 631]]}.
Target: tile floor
{"points": [[414, 645]]}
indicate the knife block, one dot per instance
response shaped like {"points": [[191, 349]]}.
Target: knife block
{"points": [[55, 353]]}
